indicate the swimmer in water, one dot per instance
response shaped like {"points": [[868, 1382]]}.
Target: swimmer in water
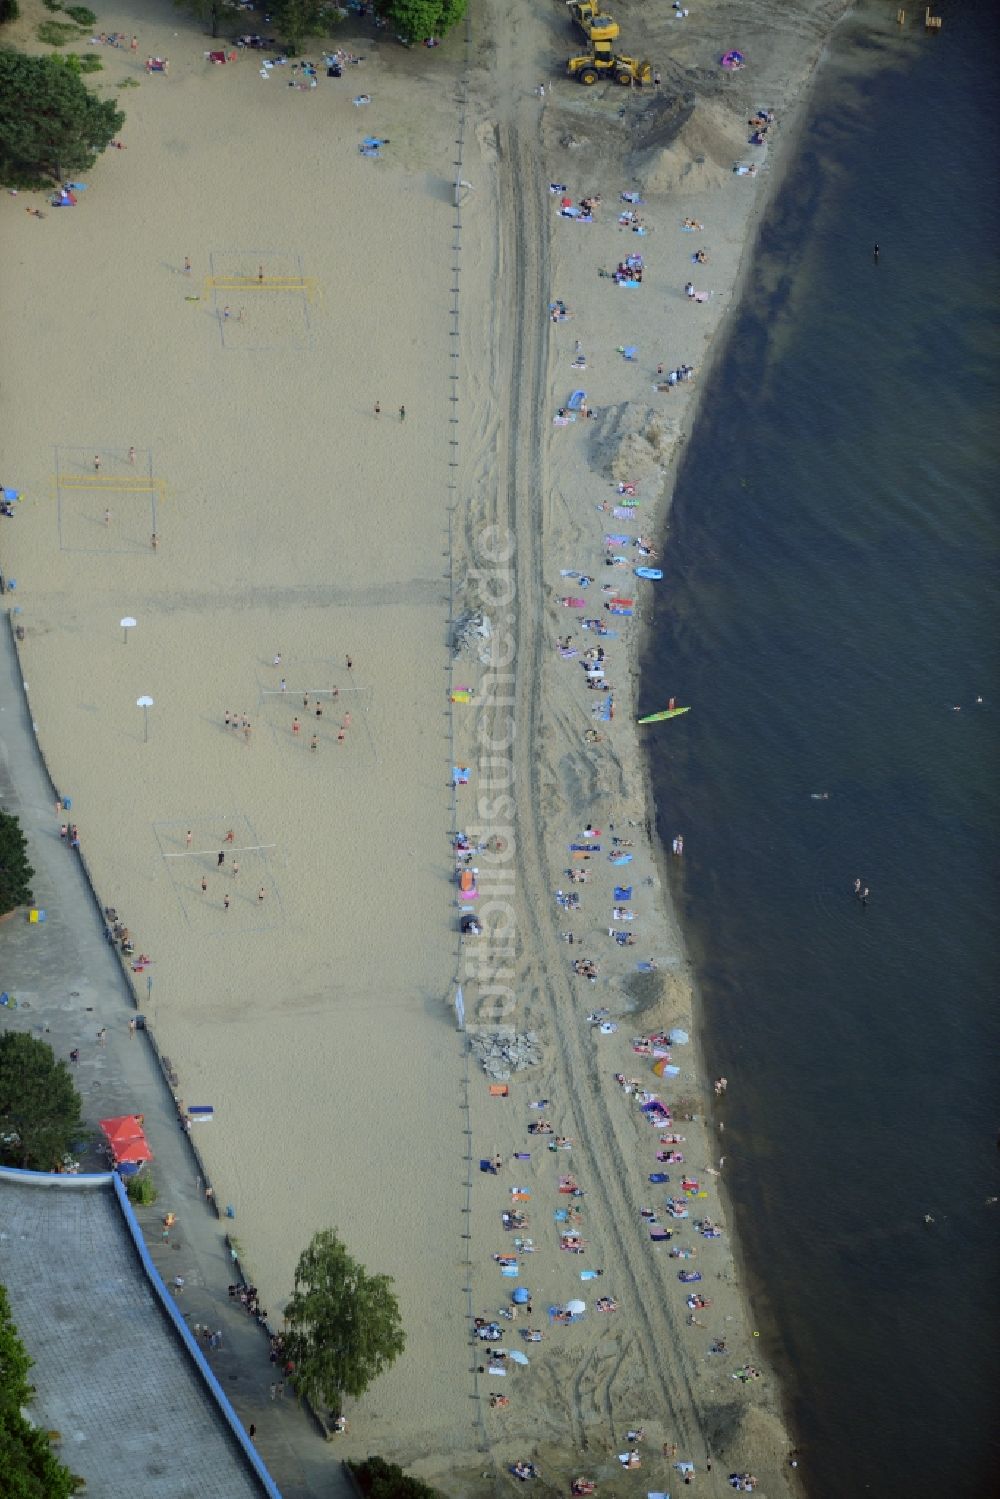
{"points": [[819, 796]]}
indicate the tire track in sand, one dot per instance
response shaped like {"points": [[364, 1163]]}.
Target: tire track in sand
{"points": [[655, 1323]]}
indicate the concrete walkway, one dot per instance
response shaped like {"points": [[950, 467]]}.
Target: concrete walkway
{"points": [[68, 986]]}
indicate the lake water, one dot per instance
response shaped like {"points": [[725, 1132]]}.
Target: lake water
{"points": [[829, 599]]}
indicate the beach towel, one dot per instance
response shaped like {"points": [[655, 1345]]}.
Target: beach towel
{"points": [[628, 285], [616, 541], [631, 352], [576, 400], [623, 892], [585, 848], [658, 1235], [623, 512], [589, 1274], [604, 711], [659, 1176], [509, 1272]]}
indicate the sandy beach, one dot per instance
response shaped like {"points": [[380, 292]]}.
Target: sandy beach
{"points": [[311, 557]]}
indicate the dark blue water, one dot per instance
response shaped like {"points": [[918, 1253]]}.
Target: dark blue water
{"points": [[830, 598]]}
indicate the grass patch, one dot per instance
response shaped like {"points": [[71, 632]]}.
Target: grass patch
{"points": [[141, 1189], [81, 15], [52, 4], [57, 33], [127, 83], [88, 63]]}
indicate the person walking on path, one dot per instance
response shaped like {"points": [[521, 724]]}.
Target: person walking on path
{"points": [[378, 408], [131, 455], [187, 265], [204, 884], [225, 902], [188, 836], [296, 727], [107, 517], [131, 1029], [314, 743], [97, 463], [154, 541], [236, 869], [261, 893], [221, 859], [402, 413]]}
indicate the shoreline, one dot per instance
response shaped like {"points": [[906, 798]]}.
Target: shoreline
{"points": [[667, 909], [793, 127]]}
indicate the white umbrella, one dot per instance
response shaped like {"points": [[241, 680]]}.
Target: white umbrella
{"points": [[576, 1306]]}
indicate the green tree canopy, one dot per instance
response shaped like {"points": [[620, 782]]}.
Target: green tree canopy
{"points": [[38, 1103], [212, 12], [343, 1325], [416, 20], [296, 20], [15, 871], [378, 1479], [30, 1471], [50, 122]]}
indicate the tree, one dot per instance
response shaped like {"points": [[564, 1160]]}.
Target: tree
{"points": [[212, 12], [343, 1325], [418, 19], [377, 1479], [15, 871], [296, 20], [39, 1106], [29, 1468], [50, 122]]}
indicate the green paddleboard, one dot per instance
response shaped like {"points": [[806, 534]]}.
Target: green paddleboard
{"points": [[664, 713]]}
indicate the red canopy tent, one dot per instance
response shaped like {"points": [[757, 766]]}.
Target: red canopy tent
{"points": [[126, 1138]]}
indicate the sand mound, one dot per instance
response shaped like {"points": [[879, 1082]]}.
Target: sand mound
{"points": [[634, 443], [693, 147]]}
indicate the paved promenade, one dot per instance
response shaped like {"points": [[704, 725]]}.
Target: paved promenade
{"points": [[69, 987]]}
